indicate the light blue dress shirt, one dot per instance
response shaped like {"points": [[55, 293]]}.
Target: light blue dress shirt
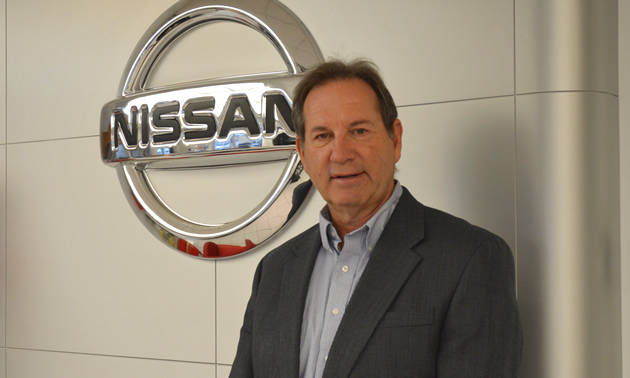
{"points": [[335, 276]]}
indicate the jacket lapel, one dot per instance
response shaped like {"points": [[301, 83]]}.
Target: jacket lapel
{"points": [[390, 264], [296, 277]]}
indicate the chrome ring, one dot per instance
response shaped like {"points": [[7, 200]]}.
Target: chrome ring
{"points": [[146, 129]]}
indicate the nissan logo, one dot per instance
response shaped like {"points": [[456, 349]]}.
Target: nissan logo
{"points": [[218, 122]]}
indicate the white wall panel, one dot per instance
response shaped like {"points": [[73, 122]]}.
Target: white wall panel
{"points": [[65, 60], [40, 364], [3, 243], [223, 371], [3, 66], [568, 234], [566, 45], [84, 275], [428, 51], [3, 211], [459, 157]]}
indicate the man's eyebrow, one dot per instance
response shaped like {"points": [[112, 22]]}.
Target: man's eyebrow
{"points": [[360, 122], [317, 129]]}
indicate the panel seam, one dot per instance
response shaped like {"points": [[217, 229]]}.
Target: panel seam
{"points": [[108, 355], [507, 96]]}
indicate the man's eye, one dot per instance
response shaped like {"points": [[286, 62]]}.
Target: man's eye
{"points": [[360, 131], [321, 136]]}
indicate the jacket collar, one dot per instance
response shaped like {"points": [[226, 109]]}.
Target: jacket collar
{"points": [[296, 277], [391, 263]]}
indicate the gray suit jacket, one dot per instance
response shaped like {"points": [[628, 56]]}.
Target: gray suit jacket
{"points": [[437, 298]]}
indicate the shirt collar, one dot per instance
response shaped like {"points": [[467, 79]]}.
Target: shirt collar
{"points": [[373, 227]]}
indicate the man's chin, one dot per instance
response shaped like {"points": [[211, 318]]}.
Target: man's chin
{"points": [[347, 202]]}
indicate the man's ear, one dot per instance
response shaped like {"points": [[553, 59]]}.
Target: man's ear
{"points": [[300, 148], [398, 139], [298, 144]]}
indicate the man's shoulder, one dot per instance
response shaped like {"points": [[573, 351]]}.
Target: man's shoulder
{"points": [[443, 227], [442, 220], [453, 236], [296, 244]]}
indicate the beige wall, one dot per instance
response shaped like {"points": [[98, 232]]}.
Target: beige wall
{"points": [[85, 286]]}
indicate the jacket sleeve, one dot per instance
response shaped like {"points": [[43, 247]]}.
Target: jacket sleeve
{"points": [[481, 334], [243, 364]]}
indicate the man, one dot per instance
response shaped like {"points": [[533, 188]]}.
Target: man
{"points": [[383, 286]]}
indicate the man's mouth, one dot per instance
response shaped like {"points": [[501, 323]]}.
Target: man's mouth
{"points": [[346, 176]]}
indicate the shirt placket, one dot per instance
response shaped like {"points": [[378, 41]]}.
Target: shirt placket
{"points": [[339, 292]]}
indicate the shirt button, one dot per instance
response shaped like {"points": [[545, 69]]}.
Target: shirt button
{"points": [[344, 268], [335, 311], [326, 358]]}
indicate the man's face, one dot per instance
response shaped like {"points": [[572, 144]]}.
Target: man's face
{"points": [[347, 151]]}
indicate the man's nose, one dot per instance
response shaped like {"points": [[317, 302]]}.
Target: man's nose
{"points": [[342, 149]]}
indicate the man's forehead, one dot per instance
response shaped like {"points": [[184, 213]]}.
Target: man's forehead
{"points": [[340, 97]]}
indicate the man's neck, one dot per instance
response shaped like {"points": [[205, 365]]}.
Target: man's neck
{"points": [[347, 219]]}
